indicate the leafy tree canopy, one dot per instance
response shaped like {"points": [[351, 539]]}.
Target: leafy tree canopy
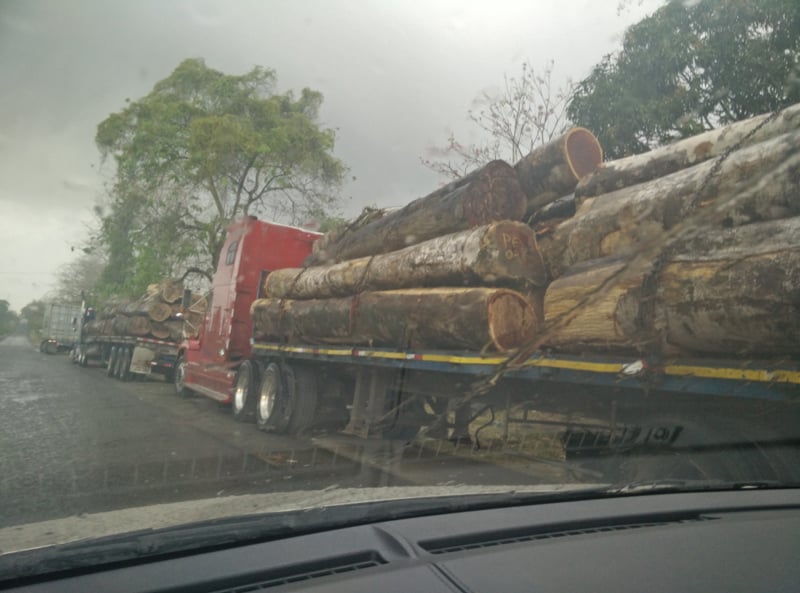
{"points": [[201, 149], [690, 67], [8, 319]]}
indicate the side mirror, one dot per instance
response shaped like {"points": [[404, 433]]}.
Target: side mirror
{"points": [[186, 301]]}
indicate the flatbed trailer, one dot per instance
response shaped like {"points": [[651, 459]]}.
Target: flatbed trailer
{"points": [[604, 404], [128, 357], [691, 408]]}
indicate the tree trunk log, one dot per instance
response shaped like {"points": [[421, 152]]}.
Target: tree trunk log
{"points": [[171, 291], [135, 325], [499, 254], [554, 169], [753, 184], [326, 242], [733, 292], [489, 194], [662, 161], [159, 312], [457, 318], [600, 305], [167, 330], [736, 291]]}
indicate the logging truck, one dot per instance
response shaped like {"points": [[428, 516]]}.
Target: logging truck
{"points": [[291, 385], [125, 357], [58, 325]]}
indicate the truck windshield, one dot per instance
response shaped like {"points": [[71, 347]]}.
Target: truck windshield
{"points": [[323, 251]]}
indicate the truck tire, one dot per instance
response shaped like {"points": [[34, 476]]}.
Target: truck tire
{"points": [[179, 377], [112, 361], [118, 368], [125, 365], [304, 399], [273, 409], [244, 394]]}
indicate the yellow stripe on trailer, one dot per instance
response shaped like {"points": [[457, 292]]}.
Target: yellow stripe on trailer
{"points": [[677, 370], [759, 375]]}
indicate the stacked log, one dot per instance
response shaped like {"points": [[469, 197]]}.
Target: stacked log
{"points": [[499, 254], [457, 318], [489, 194], [660, 162], [455, 269], [156, 314], [676, 252], [555, 169]]}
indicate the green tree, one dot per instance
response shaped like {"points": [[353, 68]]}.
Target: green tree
{"points": [[200, 150], [527, 112], [34, 313], [690, 67], [8, 319]]}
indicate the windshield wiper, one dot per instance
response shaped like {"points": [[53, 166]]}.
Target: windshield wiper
{"points": [[673, 485]]}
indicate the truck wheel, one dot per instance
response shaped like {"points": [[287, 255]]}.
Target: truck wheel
{"points": [[244, 395], [120, 363], [125, 364], [273, 409], [112, 361], [304, 399], [180, 378]]}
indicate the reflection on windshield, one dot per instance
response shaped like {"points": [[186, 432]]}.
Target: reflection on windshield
{"points": [[365, 269]]}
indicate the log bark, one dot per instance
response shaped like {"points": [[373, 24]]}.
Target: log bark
{"points": [[135, 325], [325, 243], [736, 291], [732, 292], [167, 330], [553, 170], [499, 254], [489, 194], [753, 184], [446, 318], [614, 175]]}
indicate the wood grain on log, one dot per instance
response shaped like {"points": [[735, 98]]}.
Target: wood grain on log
{"points": [[489, 194], [553, 170], [614, 175], [458, 318], [600, 305], [730, 292], [499, 254]]}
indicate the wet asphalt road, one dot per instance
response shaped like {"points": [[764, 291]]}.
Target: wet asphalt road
{"points": [[74, 441]]}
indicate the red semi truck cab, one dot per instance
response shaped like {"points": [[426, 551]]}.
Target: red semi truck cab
{"points": [[252, 249]]}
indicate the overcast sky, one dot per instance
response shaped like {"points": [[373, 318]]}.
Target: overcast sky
{"points": [[397, 76]]}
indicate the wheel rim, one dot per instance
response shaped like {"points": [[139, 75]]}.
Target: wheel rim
{"points": [[266, 401], [240, 395]]}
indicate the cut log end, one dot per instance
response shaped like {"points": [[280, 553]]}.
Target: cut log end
{"points": [[512, 320], [583, 152]]}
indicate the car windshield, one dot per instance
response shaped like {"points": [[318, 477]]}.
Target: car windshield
{"points": [[266, 256]]}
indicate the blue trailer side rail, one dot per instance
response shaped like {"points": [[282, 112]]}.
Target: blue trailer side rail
{"points": [[747, 379]]}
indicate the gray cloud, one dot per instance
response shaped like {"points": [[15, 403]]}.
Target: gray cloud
{"points": [[396, 76]]}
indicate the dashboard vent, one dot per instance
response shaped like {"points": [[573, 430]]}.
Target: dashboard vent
{"points": [[486, 540], [306, 572]]}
